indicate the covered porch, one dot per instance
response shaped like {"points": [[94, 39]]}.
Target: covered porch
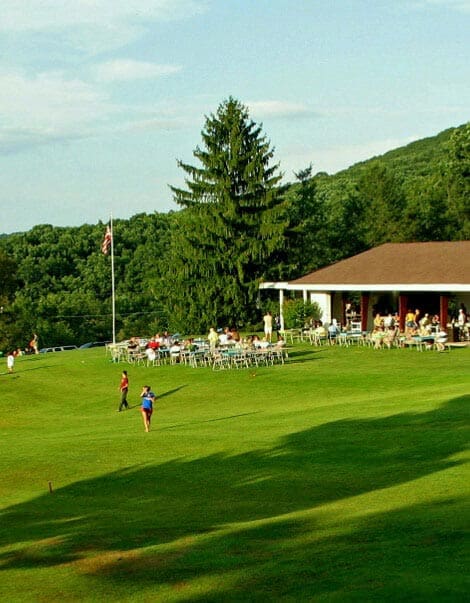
{"points": [[339, 302], [395, 278]]}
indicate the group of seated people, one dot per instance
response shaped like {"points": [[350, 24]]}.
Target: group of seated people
{"points": [[223, 337], [330, 331], [156, 342], [386, 330], [232, 338], [255, 342], [173, 347], [385, 336], [415, 324], [426, 328]]}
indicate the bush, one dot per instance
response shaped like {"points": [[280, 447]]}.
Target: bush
{"points": [[298, 314]]}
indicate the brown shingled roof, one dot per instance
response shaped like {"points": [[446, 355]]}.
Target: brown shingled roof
{"points": [[399, 263]]}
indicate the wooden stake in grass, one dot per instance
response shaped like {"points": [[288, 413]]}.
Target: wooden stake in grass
{"points": [[50, 487]]}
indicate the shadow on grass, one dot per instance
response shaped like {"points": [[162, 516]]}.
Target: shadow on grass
{"points": [[34, 368], [163, 395], [410, 554], [170, 392], [302, 356], [226, 418], [186, 506]]}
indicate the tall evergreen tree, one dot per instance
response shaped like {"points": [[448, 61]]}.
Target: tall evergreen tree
{"points": [[233, 223]]}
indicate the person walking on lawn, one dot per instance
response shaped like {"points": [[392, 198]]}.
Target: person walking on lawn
{"points": [[124, 388], [148, 398], [10, 362]]}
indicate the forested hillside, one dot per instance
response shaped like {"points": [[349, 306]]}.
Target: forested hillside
{"points": [[420, 158], [201, 265]]}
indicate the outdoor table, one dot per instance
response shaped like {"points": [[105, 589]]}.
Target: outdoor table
{"points": [[420, 341]]}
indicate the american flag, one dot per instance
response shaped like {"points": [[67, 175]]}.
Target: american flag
{"points": [[106, 244]]}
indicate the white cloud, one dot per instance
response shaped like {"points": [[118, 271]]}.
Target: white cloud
{"points": [[51, 107], [156, 124], [457, 5], [14, 140], [40, 106], [124, 70], [49, 100], [42, 15], [276, 108], [48, 107], [92, 26]]}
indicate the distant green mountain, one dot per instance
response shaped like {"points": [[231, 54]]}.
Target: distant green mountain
{"points": [[419, 158]]}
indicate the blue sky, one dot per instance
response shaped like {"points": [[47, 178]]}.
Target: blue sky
{"points": [[99, 98]]}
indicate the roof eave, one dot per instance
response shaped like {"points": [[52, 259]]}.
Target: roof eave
{"points": [[432, 287]]}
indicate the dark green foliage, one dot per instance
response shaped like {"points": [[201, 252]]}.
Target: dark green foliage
{"points": [[458, 172], [419, 158], [307, 238], [382, 203], [344, 224], [299, 314], [64, 282], [8, 281], [420, 192], [8, 284], [425, 217], [233, 223]]}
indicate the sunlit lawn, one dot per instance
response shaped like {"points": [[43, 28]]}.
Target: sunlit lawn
{"points": [[339, 476]]}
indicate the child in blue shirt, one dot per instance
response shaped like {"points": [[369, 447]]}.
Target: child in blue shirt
{"points": [[146, 408]]}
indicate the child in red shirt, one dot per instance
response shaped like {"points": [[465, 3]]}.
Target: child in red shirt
{"points": [[124, 388]]}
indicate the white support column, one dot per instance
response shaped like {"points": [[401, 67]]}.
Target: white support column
{"points": [[281, 303], [324, 301], [304, 292]]}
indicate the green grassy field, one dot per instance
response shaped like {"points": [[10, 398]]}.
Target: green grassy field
{"points": [[340, 476]]}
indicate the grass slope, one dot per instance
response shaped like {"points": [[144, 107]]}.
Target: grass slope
{"points": [[340, 476]]}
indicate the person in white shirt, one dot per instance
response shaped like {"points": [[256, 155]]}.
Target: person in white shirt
{"points": [[268, 325], [213, 338]]}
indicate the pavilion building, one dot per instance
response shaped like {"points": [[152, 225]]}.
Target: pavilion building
{"points": [[393, 277]]}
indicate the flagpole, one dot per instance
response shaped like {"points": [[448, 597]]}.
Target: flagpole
{"points": [[112, 279]]}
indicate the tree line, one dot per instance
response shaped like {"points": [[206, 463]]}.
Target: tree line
{"points": [[238, 225]]}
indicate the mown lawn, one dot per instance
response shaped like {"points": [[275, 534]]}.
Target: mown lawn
{"points": [[340, 476]]}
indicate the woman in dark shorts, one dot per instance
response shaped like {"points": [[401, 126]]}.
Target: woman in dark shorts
{"points": [[124, 388], [146, 408]]}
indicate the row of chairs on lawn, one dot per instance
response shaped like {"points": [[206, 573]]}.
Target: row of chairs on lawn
{"points": [[343, 338], [221, 359], [218, 359], [237, 359], [378, 340]]}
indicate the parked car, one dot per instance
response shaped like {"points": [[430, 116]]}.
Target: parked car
{"points": [[93, 344], [58, 348]]}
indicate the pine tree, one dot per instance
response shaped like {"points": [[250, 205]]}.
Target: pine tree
{"points": [[232, 225]]}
